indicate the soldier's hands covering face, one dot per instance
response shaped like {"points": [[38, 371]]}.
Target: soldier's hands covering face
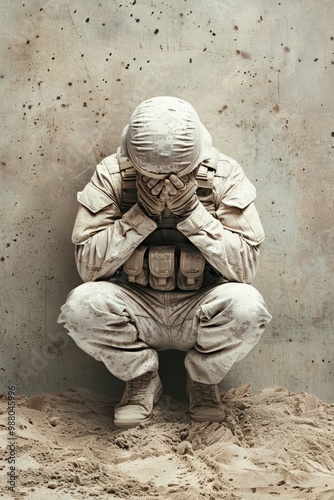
{"points": [[151, 194], [182, 198], [177, 193]]}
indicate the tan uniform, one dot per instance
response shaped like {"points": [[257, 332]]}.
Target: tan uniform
{"points": [[193, 294]]}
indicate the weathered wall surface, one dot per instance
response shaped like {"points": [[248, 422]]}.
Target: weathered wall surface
{"points": [[259, 73]]}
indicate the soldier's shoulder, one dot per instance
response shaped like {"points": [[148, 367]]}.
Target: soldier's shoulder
{"points": [[228, 167], [110, 164]]}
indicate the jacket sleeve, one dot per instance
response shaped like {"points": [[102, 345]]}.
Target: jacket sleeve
{"points": [[230, 240], [104, 238]]}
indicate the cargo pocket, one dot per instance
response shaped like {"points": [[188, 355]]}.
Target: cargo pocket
{"points": [[162, 267], [136, 267], [191, 270]]}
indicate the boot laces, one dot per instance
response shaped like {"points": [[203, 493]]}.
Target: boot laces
{"points": [[206, 392], [137, 387]]}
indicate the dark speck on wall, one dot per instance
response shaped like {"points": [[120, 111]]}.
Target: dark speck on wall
{"points": [[245, 55]]}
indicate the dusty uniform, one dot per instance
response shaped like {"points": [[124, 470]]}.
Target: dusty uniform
{"points": [[167, 283]]}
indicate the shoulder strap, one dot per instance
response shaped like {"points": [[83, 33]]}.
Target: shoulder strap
{"points": [[205, 177], [127, 182], [127, 170], [207, 170], [205, 180], [112, 165], [212, 162]]}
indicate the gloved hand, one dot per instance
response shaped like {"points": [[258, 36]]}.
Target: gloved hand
{"points": [[151, 195], [182, 198]]}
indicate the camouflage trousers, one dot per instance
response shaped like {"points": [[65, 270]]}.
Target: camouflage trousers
{"points": [[125, 325]]}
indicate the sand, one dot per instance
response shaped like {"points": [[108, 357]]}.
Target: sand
{"points": [[275, 444]]}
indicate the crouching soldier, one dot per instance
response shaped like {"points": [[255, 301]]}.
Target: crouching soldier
{"points": [[167, 242]]}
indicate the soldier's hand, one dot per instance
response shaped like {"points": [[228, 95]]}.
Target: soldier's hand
{"points": [[151, 194], [182, 198]]}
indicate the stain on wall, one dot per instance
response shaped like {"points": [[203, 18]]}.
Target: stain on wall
{"points": [[259, 74]]}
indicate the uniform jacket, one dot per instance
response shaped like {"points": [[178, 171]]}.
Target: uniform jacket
{"points": [[225, 227]]}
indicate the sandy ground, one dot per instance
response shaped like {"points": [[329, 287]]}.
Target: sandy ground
{"points": [[274, 444]]}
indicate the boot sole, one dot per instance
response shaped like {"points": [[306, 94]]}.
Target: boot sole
{"points": [[219, 417], [121, 424], [213, 420]]}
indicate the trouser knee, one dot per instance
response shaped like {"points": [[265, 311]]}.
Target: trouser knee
{"points": [[78, 305], [87, 305], [247, 305], [234, 302], [97, 317]]}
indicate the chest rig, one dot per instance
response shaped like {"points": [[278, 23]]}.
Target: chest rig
{"points": [[166, 259]]}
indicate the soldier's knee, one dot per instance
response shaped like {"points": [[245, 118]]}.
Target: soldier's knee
{"points": [[236, 302], [84, 303], [247, 305]]}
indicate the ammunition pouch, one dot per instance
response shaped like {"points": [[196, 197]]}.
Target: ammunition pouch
{"points": [[164, 269], [136, 267], [161, 263], [191, 270]]}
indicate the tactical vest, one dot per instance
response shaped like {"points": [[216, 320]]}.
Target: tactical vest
{"points": [[166, 259]]}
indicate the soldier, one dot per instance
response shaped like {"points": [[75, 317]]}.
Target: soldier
{"points": [[167, 242]]}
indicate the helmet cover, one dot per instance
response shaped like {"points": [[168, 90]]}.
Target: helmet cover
{"points": [[165, 136]]}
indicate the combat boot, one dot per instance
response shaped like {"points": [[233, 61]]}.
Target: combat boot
{"points": [[137, 402], [205, 403]]}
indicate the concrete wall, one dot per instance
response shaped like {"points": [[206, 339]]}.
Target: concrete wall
{"points": [[259, 73]]}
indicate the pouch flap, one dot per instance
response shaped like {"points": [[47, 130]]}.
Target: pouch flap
{"points": [[93, 198], [134, 265], [161, 261], [192, 262]]}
